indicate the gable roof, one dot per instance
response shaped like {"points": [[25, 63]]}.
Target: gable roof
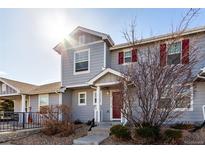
{"points": [[158, 38], [104, 72], [26, 88], [104, 36], [20, 87]]}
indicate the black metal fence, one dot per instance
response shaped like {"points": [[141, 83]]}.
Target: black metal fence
{"points": [[10, 121]]}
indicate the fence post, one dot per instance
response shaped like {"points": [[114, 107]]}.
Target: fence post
{"points": [[23, 119]]}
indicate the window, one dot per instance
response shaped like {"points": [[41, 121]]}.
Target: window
{"points": [[81, 39], [183, 102], [3, 88], [81, 61], [43, 103], [82, 98], [127, 56], [95, 97], [174, 53]]}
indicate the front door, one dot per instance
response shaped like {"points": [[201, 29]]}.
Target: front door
{"points": [[116, 109]]}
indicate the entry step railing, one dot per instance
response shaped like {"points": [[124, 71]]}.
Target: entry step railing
{"points": [[11, 121]]}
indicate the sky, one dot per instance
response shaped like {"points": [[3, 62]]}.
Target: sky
{"points": [[27, 36]]}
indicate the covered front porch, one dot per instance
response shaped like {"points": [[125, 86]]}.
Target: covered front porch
{"points": [[106, 85], [21, 103]]}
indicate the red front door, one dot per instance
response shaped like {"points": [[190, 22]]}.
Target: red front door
{"points": [[116, 109]]}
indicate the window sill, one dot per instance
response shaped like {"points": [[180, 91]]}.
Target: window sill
{"points": [[82, 104], [183, 109]]}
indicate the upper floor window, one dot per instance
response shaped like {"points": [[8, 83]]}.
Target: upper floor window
{"points": [[81, 39], [127, 56], [174, 53], [3, 87], [81, 61]]}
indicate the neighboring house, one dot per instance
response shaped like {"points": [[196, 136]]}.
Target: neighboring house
{"points": [[91, 65], [27, 97]]}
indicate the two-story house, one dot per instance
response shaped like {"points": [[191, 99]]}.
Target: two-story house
{"points": [[91, 65]]}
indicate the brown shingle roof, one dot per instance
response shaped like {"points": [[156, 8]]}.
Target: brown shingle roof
{"points": [[47, 88], [21, 86], [27, 88]]}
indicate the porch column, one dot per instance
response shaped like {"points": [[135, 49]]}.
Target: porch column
{"points": [[23, 101], [98, 104], [22, 109]]}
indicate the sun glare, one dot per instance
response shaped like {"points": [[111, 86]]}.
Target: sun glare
{"points": [[56, 27]]}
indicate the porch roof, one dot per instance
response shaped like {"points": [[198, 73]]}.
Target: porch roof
{"points": [[103, 73], [26, 88]]}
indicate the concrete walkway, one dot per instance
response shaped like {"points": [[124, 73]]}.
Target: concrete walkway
{"points": [[96, 136]]}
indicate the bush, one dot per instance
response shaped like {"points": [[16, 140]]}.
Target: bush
{"points": [[150, 132], [77, 122], [182, 126], [52, 123], [172, 135], [120, 131]]}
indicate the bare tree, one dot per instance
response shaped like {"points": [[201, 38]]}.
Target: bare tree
{"points": [[151, 90]]}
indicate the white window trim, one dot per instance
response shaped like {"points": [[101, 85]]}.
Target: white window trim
{"points": [[126, 63], [81, 72], [39, 96], [80, 104], [94, 97], [3, 87]]}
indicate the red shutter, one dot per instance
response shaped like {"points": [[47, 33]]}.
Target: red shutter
{"points": [[163, 57], [134, 55], [120, 57], [185, 51]]}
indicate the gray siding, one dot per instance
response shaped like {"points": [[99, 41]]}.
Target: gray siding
{"points": [[34, 103], [67, 98], [96, 64], [107, 78], [108, 57], [54, 99], [86, 112], [9, 90]]}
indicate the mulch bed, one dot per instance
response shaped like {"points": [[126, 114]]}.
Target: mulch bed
{"points": [[111, 140], [196, 138], [42, 139]]}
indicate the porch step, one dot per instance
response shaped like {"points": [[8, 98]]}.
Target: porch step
{"points": [[90, 140], [96, 135]]}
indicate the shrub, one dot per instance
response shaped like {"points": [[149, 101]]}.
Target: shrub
{"points": [[172, 135], [150, 132], [182, 126], [77, 122], [52, 122], [120, 131]]}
